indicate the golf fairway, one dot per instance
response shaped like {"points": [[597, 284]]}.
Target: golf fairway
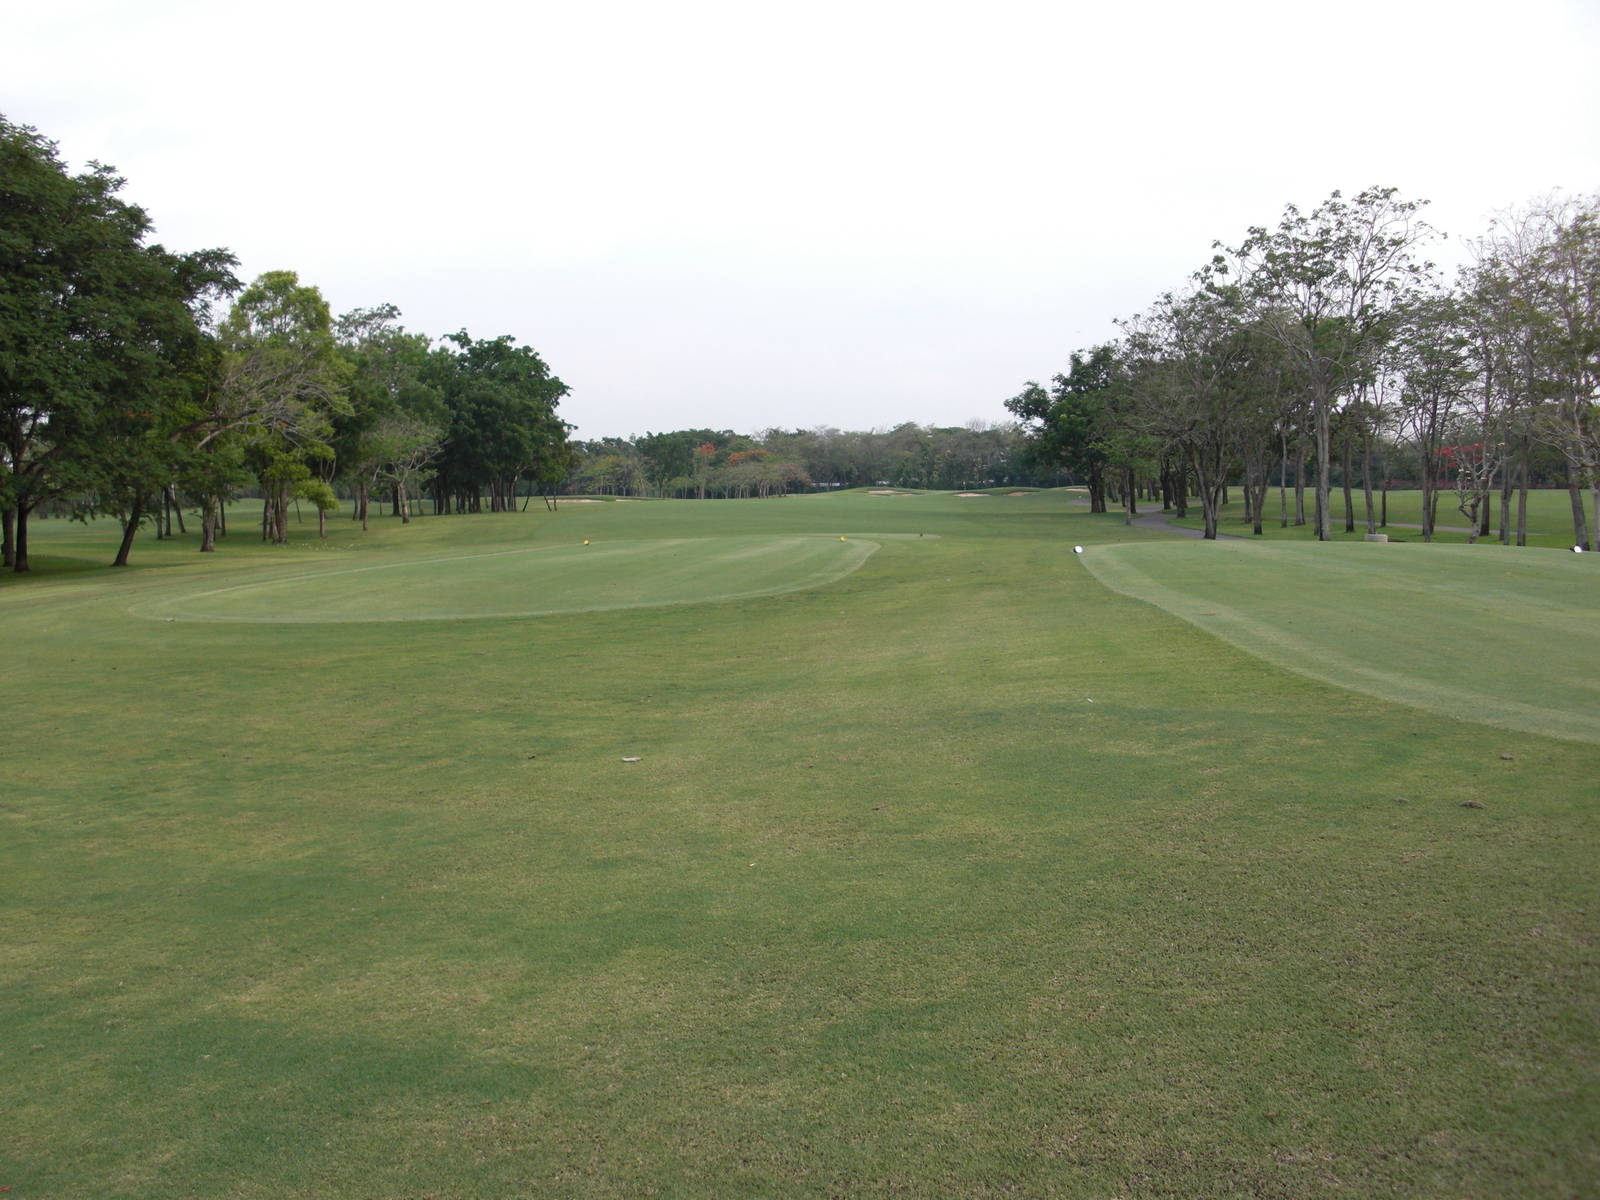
{"points": [[1476, 632]]}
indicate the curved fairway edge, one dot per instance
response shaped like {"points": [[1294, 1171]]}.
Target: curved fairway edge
{"points": [[1508, 638], [531, 581]]}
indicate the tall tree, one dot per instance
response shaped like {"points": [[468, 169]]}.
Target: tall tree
{"points": [[1070, 423], [282, 381], [1434, 359], [502, 400], [1193, 379], [1327, 284], [98, 332], [395, 422]]}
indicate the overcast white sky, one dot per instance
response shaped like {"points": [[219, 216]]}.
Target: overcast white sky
{"points": [[741, 215]]}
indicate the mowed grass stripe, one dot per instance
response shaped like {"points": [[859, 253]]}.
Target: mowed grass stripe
{"points": [[1506, 637], [533, 581]]}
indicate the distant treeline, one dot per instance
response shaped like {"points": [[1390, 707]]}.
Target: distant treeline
{"points": [[706, 463]]}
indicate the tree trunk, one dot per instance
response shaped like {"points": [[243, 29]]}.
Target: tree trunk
{"points": [[1428, 491], [177, 509], [1324, 447], [130, 527], [1097, 490], [1522, 500], [19, 562], [1580, 527], [1506, 488], [1349, 499], [1366, 483], [1283, 479], [208, 524], [1300, 481], [8, 541], [1209, 492]]}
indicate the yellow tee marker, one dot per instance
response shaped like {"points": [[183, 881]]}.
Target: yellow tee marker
{"points": [[585, 541], [841, 539]]}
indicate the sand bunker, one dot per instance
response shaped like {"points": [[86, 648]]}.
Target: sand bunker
{"points": [[972, 495], [887, 492]]}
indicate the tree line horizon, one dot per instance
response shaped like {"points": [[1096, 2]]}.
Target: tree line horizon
{"points": [[137, 383]]}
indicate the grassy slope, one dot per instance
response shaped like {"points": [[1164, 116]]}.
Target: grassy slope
{"points": [[1486, 633], [962, 874]]}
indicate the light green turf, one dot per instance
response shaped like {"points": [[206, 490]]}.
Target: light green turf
{"points": [[537, 580], [1482, 633], [958, 875]]}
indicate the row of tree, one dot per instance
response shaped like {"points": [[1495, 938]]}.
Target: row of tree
{"points": [[1329, 342], [702, 463], [135, 382]]}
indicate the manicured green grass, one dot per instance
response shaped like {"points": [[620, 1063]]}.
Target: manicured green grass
{"points": [[1485, 633], [960, 874], [540, 579]]}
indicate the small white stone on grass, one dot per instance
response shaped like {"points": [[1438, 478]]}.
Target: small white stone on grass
{"points": [[1077, 549], [632, 760]]}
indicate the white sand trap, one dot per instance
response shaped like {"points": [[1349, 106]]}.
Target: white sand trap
{"points": [[886, 492], [1019, 493], [972, 495], [577, 500]]}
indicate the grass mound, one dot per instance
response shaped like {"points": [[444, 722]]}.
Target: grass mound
{"points": [[531, 581], [1507, 637]]}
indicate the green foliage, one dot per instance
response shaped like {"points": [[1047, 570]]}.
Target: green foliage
{"points": [[1074, 422], [101, 342], [502, 401]]}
